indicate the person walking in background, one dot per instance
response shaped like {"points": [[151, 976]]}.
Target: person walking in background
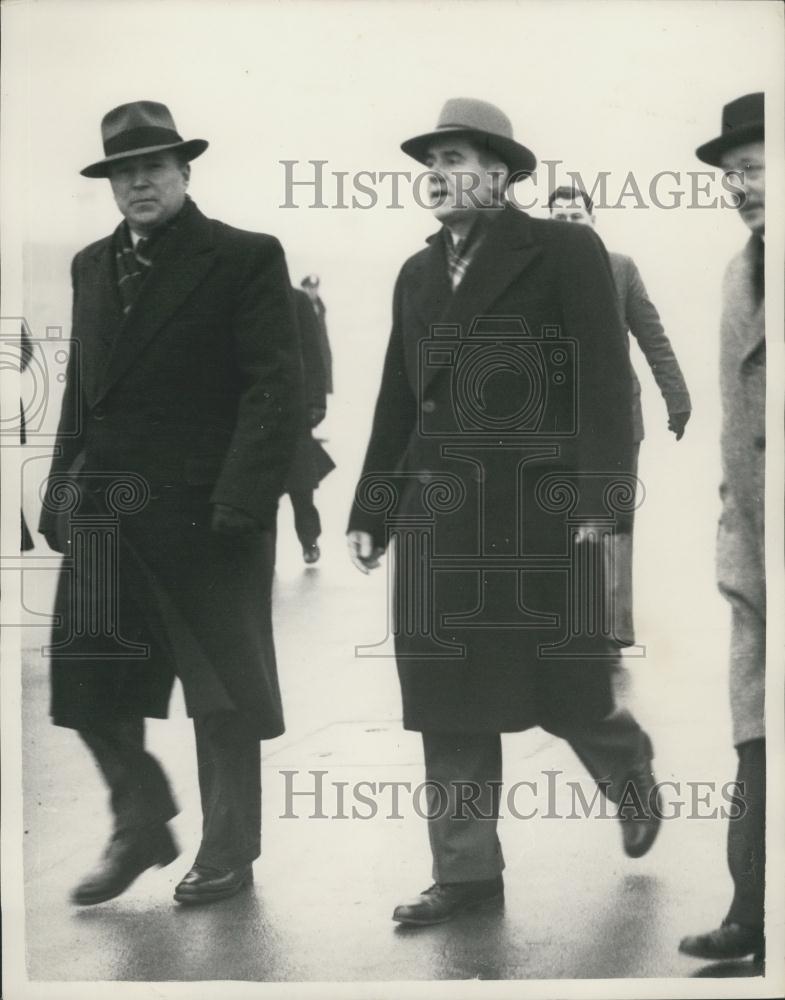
{"points": [[311, 462], [311, 285], [640, 318], [740, 150], [526, 279], [187, 377]]}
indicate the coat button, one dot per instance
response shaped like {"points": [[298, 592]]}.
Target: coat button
{"points": [[760, 442], [428, 406], [99, 413], [424, 478]]}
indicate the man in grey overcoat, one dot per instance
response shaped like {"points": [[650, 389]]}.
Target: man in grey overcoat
{"points": [[181, 408], [739, 150], [502, 423], [640, 318]]}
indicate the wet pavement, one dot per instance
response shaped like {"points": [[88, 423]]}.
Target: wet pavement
{"points": [[326, 884]]}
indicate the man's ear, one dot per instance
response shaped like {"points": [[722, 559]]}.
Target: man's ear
{"points": [[185, 170]]}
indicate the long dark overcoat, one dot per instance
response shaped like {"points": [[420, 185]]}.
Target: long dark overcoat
{"points": [[467, 427], [193, 398]]}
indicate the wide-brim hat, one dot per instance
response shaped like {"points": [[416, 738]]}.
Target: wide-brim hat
{"points": [[742, 121], [139, 128], [484, 123]]}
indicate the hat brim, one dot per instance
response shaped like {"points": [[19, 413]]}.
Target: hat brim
{"points": [[518, 158], [712, 152], [190, 150]]}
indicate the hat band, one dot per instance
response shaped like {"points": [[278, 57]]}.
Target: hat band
{"points": [[140, 138]]}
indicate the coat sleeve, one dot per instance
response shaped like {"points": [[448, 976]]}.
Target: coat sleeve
{"points": [[603, 444], [270, 412], [68, 443], [645, 325], [395, 417]]}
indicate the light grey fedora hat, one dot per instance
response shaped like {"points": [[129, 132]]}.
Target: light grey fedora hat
{"points": [[139, 128], [478, 120]]}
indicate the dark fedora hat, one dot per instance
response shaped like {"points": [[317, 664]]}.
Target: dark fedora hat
{"points": [[466, 117], [742, 121], [138, 128]]}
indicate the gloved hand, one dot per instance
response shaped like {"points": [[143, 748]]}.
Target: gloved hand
{"points": [[231, 521], [677, 422]]}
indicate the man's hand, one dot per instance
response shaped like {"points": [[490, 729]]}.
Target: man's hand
{"points": [[230, 521], [677, 422], [316, 415], [363, 553]]}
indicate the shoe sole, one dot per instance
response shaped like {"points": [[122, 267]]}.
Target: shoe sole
{"points": [[709, 956], [196, 898], [104, 897], [478, 904]]}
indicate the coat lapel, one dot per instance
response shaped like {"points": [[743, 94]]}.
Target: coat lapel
{"points": [[181, 265], [506, 251], [100, 317]]}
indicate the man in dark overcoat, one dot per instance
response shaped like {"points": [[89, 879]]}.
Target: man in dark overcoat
{"points": [[311, 285], [504, 405], [739, 150], [311, 463], [182, 404]]}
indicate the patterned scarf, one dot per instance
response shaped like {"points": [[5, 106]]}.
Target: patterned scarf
{"points": [[462, 252], [134, 263]]}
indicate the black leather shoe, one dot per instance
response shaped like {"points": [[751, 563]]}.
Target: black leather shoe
{"points": [[446, 900], [727, 941], [641, 811], [311, 553], [126, 857], [204, 885]]}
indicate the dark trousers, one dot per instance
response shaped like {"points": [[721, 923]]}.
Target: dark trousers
{"points": [[306, 517], [229, 760], [747, 837], [464, 841]]}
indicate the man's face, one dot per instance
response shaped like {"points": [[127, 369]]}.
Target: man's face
{"points": [[462, 180], [312, 291], [149, 190], [571, 210], [748, 162]]}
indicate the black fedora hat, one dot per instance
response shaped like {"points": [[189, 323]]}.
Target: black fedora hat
{"points": [[138, 128], [485, 123], [742, 121]]}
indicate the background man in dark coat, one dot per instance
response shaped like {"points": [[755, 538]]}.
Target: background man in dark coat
{"points": [[311, 462], [639, 317], [185, 377], [311, 285], [740, 541], [504, 402]]}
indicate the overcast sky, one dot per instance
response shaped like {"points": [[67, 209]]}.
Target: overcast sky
{"points": [[599, 86]]}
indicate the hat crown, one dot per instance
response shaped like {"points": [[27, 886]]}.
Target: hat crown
{"points": [[138, 114], [471, 113], [744, 111]]}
